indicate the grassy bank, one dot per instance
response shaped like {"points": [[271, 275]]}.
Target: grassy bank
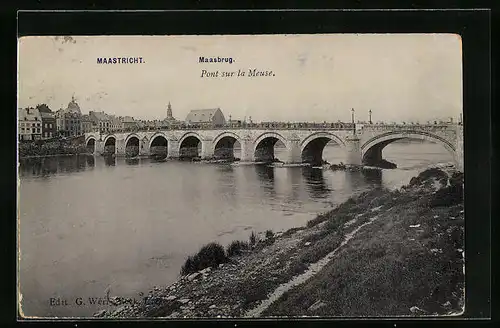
{"points": [[403, 257], [407, 262]]}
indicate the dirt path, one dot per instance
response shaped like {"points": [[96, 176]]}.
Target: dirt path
{"points": [[312, 270]]}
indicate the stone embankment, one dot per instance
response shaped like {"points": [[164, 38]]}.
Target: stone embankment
{"points": [[380, 253]]}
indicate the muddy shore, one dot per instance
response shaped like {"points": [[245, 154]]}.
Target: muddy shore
{"points": [[381, 253]]}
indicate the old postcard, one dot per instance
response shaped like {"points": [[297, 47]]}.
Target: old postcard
{"points": [[245, 176]]}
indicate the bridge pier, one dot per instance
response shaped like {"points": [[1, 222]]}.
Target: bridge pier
{"points": [[173, 149], [246, 150], [294, 155], [207, 149], [144, 147], [353, 150], [120, 147], [99, 147]]}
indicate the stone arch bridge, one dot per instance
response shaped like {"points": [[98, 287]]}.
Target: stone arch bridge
{"points": [[362, 145]]}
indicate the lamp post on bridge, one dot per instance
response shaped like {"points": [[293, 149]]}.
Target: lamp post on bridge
{"points": [[370, 112], [353, 124]]}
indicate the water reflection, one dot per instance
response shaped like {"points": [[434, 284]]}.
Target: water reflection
{"points": [[372, 177], [109, 160], [265, 175], [360, 179], [90, 161], [315, 182], [48, 166], [132, 161], [294, 177], [226, 181]]}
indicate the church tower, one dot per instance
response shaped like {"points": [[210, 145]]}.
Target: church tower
{"points": [[169, 112]]}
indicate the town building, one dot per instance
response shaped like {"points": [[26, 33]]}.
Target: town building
{"points": [[29, 124], [206, 117], [68, 121], [115, 123], [100, 121], [49, 128], [86, 124], [128, 123]]}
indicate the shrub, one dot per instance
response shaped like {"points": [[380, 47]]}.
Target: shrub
{"points": [[236, 247], [210, 255], [269, 234], [253, 239], [428, 174], [448, 196], [318, 219], [291, 231]]}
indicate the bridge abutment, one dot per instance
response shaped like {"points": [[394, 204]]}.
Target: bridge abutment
{"points": [[352, 150]]}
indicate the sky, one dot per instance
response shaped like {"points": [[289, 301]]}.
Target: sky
{"points": [[400, 77]]}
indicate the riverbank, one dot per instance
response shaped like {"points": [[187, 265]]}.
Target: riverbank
{"points": [[42, 148], [380, 253]]}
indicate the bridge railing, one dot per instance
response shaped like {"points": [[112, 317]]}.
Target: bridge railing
{"points": [[247, 126], [286, 126]]}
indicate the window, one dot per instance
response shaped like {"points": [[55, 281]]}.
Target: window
{"points": [[50, 125], [38, 124], [32, 124], [36, 118], [38, 130]]}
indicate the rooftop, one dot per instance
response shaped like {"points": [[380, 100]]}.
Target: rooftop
{"points": [[202, 115]]}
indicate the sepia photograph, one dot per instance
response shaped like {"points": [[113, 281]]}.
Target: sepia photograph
{"points": [[240, 176]]}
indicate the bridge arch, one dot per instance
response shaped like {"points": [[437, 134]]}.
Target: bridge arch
{"points": [[371, 150], [110, 144], [189, 145], [90, 143], [158, 145], [90, 137], [311, 148], [132, 144], [264, 146], [224, 145], [156, 135], [110, 138], [130, 136], [190, 134]]}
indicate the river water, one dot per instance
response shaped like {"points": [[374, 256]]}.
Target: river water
{"points": [[89, 225]]}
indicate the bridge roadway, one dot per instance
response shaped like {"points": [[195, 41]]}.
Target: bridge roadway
{"points": [[362, 145]]}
